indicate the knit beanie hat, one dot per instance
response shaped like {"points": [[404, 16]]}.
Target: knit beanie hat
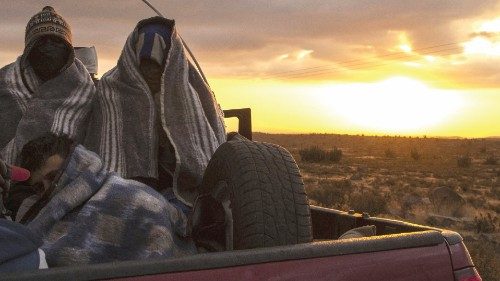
{"points": [[46, 22]]}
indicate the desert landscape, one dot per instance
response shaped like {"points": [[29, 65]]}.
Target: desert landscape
{"points": [[444, 182]]}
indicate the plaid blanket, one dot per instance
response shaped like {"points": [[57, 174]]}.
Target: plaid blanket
{"points": [[95, 216], [29, 108], [124, 129]]}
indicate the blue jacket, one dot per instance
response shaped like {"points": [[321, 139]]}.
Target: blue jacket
{"points": [[18, 248]]}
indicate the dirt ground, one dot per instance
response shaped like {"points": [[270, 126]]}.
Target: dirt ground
{"points": [[448, 183]]}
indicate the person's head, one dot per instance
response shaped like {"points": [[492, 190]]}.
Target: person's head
{"points": [[152, 47], [48, 44], [44, 158]]}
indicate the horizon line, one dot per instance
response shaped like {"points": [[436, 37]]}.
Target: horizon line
{"points": [[386, 135]]}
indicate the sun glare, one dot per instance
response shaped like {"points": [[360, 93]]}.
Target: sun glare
{"points": [[482, 46], [304, 53], [405, 48], [397, 104], [490, 26]]}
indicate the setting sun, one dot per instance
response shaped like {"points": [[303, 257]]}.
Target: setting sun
{"points": [[395, 104]]}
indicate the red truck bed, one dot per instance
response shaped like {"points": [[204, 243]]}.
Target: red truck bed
{"points": [[400, 251]]}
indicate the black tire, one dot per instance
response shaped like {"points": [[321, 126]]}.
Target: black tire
{"points": [[268, 204]]}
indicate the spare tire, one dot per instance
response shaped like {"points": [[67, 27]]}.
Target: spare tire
{"points": [[259, 189]]}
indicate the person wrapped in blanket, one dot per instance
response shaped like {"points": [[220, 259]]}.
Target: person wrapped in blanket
{"points": [[156, 120], [85, 214], [46, 89]]}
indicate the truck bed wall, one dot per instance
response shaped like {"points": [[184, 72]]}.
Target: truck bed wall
{"points": [[431, 241], [401, 246], [330, 223], [425, 263]]}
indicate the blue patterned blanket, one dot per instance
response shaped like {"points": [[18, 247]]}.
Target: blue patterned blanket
{"points": [[95, 216]]}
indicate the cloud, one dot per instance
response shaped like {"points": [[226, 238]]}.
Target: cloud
{"points": [[245, 37]]}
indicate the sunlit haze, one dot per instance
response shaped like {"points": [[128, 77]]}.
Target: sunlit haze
{"points": [[393, 105], [314, 66]]}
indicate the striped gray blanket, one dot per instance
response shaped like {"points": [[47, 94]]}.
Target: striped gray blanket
{"points": [[95, 216], [124, 128], [29, 108]]}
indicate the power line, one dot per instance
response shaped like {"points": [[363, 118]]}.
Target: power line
{"points": [[356, 62], [360, 63], [359, 66]]}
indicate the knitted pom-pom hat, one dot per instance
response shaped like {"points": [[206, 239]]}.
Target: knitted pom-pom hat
{"points": [[46, 22]]}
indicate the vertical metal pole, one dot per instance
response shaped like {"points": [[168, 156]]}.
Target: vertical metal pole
{"points": [[152, 7]]}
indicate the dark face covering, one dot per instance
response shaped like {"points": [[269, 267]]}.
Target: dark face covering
{"points": [[151, 71], [48, 57]]}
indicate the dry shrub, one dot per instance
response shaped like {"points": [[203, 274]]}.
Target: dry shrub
{"points": [[312, 154], [491, 160], [390, 181], [486, 258], [464, 161], [331, 193], [315, 154], [389, 153], [432, 221], [476, 201], [485, 223], [339, 194], [415, 155], [495, 207], [369, 201], [496, 191], [334, 155]]}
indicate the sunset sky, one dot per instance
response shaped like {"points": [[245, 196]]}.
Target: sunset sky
{"points": [[396, 67]]}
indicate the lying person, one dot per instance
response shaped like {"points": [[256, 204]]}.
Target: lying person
{"points": [[86, 214]]}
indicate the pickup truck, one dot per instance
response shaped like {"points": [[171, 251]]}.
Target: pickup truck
{"points": [[397, 251]]}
